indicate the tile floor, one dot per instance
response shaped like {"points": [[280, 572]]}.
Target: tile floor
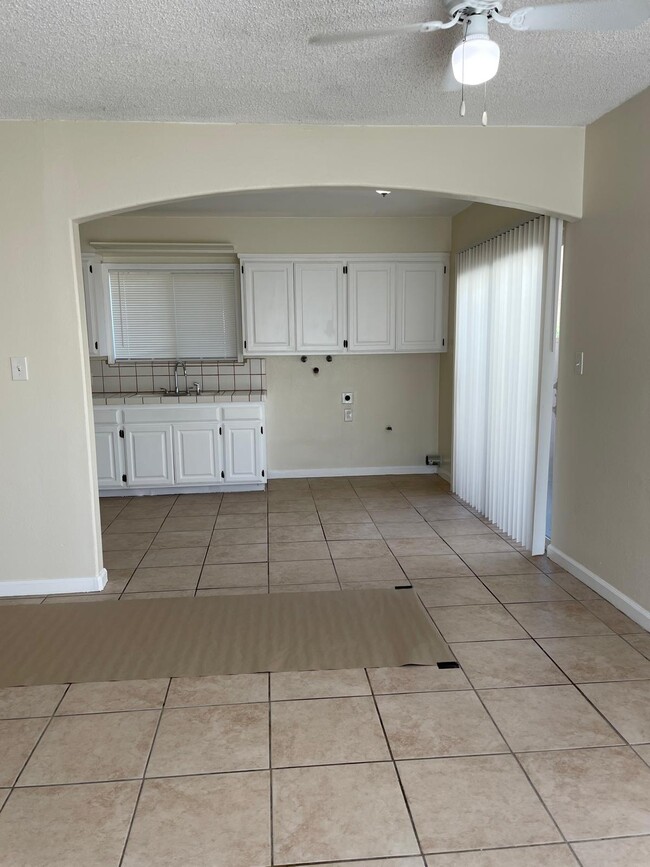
{"points": [[536, 753]]}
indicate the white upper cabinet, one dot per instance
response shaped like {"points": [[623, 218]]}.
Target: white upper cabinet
{"points": [[371, 307], [91, 272], [269, 308], [421, 307], [320, 306]]}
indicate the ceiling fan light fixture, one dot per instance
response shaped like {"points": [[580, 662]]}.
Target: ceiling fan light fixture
{"points": [[475, 60]]}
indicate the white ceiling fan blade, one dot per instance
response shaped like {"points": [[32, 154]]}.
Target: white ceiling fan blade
{"points": [[592, 15], [354, 35]]}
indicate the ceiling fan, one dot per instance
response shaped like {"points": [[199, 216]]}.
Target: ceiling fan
{"points": [[475, 60]]}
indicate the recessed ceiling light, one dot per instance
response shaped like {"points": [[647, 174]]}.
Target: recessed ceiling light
{"points": [[383, 193]]}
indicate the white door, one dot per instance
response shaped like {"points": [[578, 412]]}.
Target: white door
{"points": [[197, 453], [421, 307], [268, 308], [371, 307], [149, 460], [243, 451], [109, 455], [320, 306]]}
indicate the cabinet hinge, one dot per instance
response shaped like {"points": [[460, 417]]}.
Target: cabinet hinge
{"points": [[345, 344], [96, 345], [443, 341], [245, 343], [122, 434], [345, 269], [219, 431], [262, 429], [223, 475], [124, 477], [242, 269], [262, 473], [445, 269], [90, 268]]}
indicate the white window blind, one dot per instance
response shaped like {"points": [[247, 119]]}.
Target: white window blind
{"points": [[503, 292], [164, 313]]}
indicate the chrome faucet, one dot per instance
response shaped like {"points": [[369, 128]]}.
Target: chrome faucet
{"points": [[180, 364]]}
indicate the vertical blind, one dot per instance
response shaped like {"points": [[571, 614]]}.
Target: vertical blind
{"points": [[501, 297], [162, 313]]}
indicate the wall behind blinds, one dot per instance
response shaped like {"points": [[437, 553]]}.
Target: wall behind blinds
{"points": [[501, 294], [162, 313]]}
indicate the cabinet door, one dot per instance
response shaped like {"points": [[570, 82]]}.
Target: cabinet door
{"points": [[320, 306], [243, 451], [90, 267], [109, 455], [268, 308], [149, 460], [371, 307], [197, 453], [421, 307]]}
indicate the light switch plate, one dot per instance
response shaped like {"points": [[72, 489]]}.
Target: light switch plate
{"points": [[347, 414], [19, 368]]}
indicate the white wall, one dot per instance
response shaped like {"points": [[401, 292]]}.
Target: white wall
{"points": [[56, 173], [601, 505]]}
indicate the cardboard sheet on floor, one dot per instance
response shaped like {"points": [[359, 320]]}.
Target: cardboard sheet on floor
{"points": [[146, 638]]}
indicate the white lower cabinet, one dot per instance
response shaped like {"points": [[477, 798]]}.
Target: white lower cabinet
{"points": [[180, 445]]}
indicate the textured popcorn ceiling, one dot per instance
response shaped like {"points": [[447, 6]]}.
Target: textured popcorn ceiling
{"points": [[236, 61]]}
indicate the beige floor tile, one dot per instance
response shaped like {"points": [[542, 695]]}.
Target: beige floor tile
{"points": [[626, 705], [348, 532], [602, 792], [136, 525], [156, 594], [234, 575], [236, 554], [91, 748], [383, 862], [494, 664], [474, 802], [597, 658], [438, 566], [82, 597], [18, 738], [499, 564], [117, 580], [339, 812], [183, 539], [407, 531], [453, 591], [395, 516], [444, 512], [174, 557], [363, 584], [547, 718], [545, 564], [232, 591], [4, 794], [184, 525], [243, 508], [292, 519], [644, 751], [553, 855], [241, 536], [416, 678], [296, 572], [350, 502], [428, 724], [221, 820], [525, 588], [576, 588], [326, 731], [360, 548], [304, 588], [26, 701], [127, 541], [640, 642], [240, 522], [488, 543], [218, 689], [556, 619], [318, 684], [344, 516], [357, 570], [164, 578], [67, 826], [426, 547], [307, 506], [612, 617], [296, 534], [458, 527], [205, 740], [286, 551], [21, 600], [476, 623], [108, 696], [121, 559], [631, 852]]}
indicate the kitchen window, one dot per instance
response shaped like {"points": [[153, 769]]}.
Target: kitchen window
{"points": [[172, 312]]}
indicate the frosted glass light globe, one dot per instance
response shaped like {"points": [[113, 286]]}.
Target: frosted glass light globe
{"points": [[481, 60]]}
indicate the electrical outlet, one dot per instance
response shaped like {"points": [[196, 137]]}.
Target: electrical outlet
{"points": [[347, 414], [347, 398], [19, 368]]}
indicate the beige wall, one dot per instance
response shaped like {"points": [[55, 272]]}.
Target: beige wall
{"points": [[56, 173], [601, 511], [472, 226]]}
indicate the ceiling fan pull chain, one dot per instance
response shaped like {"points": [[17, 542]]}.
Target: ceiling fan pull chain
{"points": [[462, 85], [484, 118]]}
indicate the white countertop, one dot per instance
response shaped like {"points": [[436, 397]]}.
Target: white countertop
{"points": [[117, 398]]}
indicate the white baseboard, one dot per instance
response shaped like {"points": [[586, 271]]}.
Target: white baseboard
{"points": [[352, 471], [624, 603], [182, 489], [49, 586]]}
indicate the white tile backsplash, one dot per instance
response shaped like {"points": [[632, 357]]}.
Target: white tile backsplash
{"points": [[145, 377]]}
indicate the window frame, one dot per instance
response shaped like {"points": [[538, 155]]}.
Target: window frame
{"points": [[107, 317]]}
